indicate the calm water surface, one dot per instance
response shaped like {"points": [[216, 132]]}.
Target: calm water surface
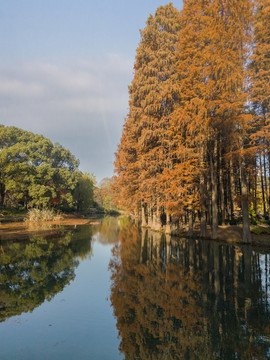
{"points": [[109, 291]]}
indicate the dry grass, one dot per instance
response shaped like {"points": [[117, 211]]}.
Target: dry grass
{"points": [[42, 215]]}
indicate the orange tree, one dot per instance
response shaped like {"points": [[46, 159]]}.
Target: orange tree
{"points": [[214, 43], [260, 96], [144, 150]]}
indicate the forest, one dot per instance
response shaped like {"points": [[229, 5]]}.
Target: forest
{"points": [[194, 150], [34, 172]]}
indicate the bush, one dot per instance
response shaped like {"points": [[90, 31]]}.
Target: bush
{"points": [[40, 215], [263, 221], [260, 230], [12, 212]]}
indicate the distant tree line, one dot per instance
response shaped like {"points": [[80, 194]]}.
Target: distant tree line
{"points": [[104, 195], [34, 172], [195, 143]]}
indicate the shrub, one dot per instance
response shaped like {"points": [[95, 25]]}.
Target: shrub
{"points": [[261, 230], [41, 215]]}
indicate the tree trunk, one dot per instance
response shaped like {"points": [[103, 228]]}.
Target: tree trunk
{"points": [[137, 216], [214, 191], [269, 181], [208, 200], [244, 191], [203, 199], [266, 186], [168, 223], [150, 218], [255, 191], [190, 223], [232, 188], [156, 220], [144, 222], [203, 224], [262, 186], [2, 194], [221, 187], [222, 202]]}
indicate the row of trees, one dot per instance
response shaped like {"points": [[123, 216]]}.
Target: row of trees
{"points": [[36, 172], [195, 143]]}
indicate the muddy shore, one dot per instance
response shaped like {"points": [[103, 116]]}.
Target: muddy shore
{"points": [[22, 230]]}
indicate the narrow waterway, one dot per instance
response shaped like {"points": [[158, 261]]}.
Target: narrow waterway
{"points": [[110, 291]]}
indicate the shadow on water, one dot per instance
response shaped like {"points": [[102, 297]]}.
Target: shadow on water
{"points": [[189, 299], [36, 270]]}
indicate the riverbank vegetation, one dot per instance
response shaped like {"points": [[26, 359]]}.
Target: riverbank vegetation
{"points": [[35, 215], [195, 143]]}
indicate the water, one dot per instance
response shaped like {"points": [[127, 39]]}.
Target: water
{"points": [[54, 297], [110, 291]]}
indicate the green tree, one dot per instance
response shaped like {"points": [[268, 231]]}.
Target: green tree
{"points": [[34, 171], [84, 192]]}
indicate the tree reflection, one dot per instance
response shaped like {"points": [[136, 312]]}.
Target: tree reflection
{"points": [[154, 298], [108, 230], [34, 271], [188, 299]]}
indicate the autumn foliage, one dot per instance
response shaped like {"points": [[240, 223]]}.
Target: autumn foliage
{"points": [[195, 143]]}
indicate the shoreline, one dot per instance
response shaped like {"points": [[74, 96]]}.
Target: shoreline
{"points": [[22, 230], [227, 234]]}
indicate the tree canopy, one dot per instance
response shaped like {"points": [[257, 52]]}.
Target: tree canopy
{"points": [[196, 138], [36, 172]]}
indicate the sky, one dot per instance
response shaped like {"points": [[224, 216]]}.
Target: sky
{"points": [[65, 68]]}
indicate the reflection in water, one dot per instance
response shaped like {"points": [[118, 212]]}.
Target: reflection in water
{"points": [[108, 230], [189, 299], [34, 271]]}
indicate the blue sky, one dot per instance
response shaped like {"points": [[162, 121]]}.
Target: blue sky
{"points": [[65, 67]]}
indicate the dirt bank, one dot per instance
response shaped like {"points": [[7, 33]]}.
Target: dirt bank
{"points": [[22, 230], [233, 233]]}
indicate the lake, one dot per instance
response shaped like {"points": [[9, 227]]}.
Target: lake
{"points": [[110, 291]]}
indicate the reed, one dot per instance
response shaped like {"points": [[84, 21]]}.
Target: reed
{"points": [[41, 215]]}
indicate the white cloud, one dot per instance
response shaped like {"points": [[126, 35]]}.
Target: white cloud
{"points": [[16, 88], [82, 105], [85, 84]]}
